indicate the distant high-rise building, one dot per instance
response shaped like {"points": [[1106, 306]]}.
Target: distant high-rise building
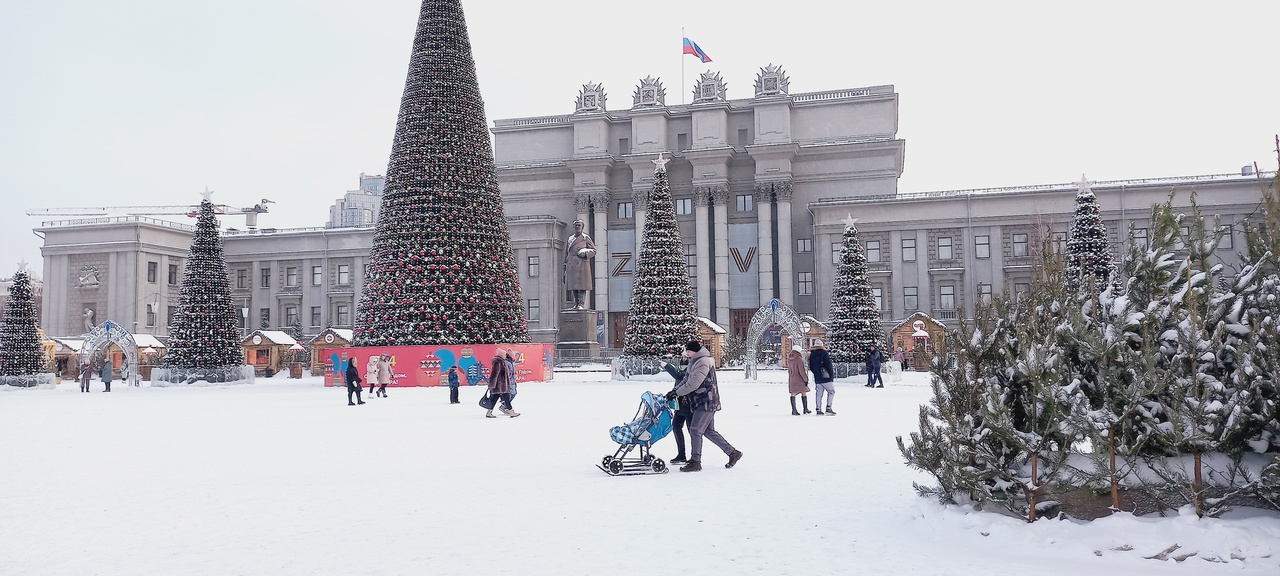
{"points": [[358, 207]]}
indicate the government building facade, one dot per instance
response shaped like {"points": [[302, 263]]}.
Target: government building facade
{"points": [[762, 187]]}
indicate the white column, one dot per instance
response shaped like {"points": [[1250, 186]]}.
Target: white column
{"points": [[764, 233], [702, 244], [786, 248], [720, 210], [641, 205], [601, 237]]}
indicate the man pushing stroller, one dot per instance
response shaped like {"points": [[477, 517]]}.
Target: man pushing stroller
{"points": [[699, 384]]}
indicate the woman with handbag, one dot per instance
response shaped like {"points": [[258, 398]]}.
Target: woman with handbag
{"points": [[797, 379], [499, 386], [823, 377]]}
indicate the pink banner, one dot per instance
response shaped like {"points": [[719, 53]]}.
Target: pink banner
{"points": [[429, 365]]}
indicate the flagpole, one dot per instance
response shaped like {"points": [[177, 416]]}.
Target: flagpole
{"points": [[682, 65]]}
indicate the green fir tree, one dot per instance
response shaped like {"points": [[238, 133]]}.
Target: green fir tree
{"points": [[204, 331], [21, 356], [854, 318]]}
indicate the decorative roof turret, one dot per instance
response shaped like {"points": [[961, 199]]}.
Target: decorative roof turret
{"points": [[772, 81], [710, 88], [649, 93], [590, 99]]}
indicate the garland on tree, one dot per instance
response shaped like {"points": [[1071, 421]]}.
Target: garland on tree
{"points": [[855, 320], [663, 315], [21, 356], [203, 334], [441, 270], [1088, 249]]}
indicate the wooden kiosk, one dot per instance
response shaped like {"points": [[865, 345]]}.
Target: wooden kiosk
{"points": [[712, 336], [921, 338], [267, 351], [325, 345]]}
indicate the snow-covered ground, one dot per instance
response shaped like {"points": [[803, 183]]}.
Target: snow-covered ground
{"points": [[282, 477]]}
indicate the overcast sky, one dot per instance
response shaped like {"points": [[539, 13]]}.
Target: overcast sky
{"points": [[146, 102]]}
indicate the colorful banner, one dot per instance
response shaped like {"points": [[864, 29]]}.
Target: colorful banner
{"points": [[429, 365]]}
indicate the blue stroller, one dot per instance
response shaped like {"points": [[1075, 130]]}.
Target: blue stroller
{"points": [[651, 424]]}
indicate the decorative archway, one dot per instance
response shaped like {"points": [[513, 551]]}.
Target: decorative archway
{"points": [[771, 314], [111, 333]]}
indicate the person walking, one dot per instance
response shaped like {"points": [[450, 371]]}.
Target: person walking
{"points": [[511, 377], [85, 373], [352, 376], [106, 374], [874, 358], [699, 383], [680, 416], [384, 374], [371, 374], [797, 379], [453, 385], [500, 385], [823, 377]]}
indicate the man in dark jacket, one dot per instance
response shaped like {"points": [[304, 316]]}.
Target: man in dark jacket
{"points": [[352, 376], [874, 358], [824, 374], [453, 384], [699, 383]]}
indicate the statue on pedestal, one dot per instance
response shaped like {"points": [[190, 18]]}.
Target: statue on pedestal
{"points": [[577, 264]]}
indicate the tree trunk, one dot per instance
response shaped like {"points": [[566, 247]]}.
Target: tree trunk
{"points": [[1115, 481], [1031, 493], [1199, 487]]}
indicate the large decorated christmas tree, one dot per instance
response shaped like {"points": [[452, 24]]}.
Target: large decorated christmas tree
{"points": [[441, 267], [855, 320], [203, 336], [663, 316], [1088, 249], [21, 356]]}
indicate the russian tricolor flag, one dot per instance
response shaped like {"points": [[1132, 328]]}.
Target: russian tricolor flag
{"points": [[690, 47]]}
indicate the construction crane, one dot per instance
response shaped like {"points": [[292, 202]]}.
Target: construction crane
{"points": [[250, 214]]}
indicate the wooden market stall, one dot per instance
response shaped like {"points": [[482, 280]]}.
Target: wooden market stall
{"points": [[324, 345], [150, 351], [66, 356], [921, 338], [267, 351], [812, 330], [712, 336]]}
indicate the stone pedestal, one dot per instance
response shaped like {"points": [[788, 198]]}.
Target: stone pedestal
{"points": [[578, 335]]}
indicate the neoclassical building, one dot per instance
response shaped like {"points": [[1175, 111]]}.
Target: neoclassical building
{"points": [[762, 186]]}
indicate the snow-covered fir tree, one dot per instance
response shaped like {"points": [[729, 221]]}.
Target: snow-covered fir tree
{"points": [[21, 356], [662, 316], [1088, 248], [441, 269], [854, 318], [204, 331]]}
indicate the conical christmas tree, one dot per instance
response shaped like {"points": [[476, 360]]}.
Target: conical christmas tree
{"points": [[1088, 249], [441, 267], [663, 315], [21, 356], [204, 333], [855, 320]]}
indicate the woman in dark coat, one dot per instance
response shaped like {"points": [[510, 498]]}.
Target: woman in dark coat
{"points": [[352, 376], [500, 385], [823, 377]]}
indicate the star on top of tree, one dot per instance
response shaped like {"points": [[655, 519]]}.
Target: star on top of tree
{"points": [[207, 194], [850, 221], [22, 265], [1085, 185], [660, 165]]}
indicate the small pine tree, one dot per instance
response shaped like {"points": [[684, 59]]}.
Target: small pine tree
{"points": [[1088, 249], [855, 320], [21, 356], [663, 315], [204, 333]]}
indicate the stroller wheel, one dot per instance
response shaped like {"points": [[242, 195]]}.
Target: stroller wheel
{"points": [[659, 466], [605, 462], [614, 467]]}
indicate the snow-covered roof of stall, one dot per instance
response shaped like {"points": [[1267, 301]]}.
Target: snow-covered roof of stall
{"points": [[277, 337], [72, 344], [712, 325], [343, 333], [917, 315], [145, 340]]}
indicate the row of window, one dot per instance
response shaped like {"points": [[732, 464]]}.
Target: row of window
{"points": [[153, 270], [684, 206], [291, 276], [682, 138], [911, 294], [341, 316]]}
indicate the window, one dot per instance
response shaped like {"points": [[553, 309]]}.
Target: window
{"points": [[535, 266], [1224, 237], [343, 314], [344, 274], [1020, 289], [804, 245], [873, 251], [908, 249], [691, 255], [169, 312], [982, 246], [290, 315], [744, 137], [805, 283], [684, 206], [626, 210], [1019, 244], [682, 141], [877, 294], [947, 297], [984, 293], [535, 310], [315, 315], [746, 203], [151, 315], [291, 276], [317, 275], [1140, 237], [944, 248], [624, 146], [242, 278], [265, 314], [837, 252], [1059, 242], [909, 298], [173, 274], [266, 278], [152, 268]]}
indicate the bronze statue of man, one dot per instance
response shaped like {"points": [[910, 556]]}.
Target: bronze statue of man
{"points": [[577, 264]]}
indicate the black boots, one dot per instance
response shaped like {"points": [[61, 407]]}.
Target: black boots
{"points": [[794, 412], [679, 459], [805, 400], [692, 466], [734, 457]]}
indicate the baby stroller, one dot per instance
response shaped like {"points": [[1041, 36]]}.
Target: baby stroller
{"points": [[652, 423]]}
